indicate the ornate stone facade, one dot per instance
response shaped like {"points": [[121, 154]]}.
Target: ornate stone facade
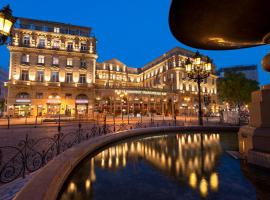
{"points": [[54, 68]]}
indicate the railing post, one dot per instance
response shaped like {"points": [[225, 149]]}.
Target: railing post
{"points": [[8, 118], [36, 122]]}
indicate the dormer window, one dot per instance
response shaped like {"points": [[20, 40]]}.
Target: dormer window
{"points": [[26, 40], [56, 44], [70, 45], [56, 30], [41, 43], [83, 47]]}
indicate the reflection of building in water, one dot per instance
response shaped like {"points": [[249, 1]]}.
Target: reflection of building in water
{"points": [[190, 158]]}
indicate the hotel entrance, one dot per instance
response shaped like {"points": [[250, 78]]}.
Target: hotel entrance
{"points": [[53, 109], [81, 105], [53, 105]]}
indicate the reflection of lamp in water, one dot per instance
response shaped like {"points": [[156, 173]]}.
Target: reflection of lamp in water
{"points": [[193, 180], [72, 187], [203, 187], [87, 184], [214, 181], [92, 171]]}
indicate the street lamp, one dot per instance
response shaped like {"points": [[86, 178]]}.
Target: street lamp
{"points": [[122, 94], [198, 71], [6, 23]]}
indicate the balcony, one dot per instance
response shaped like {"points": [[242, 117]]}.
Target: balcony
{"points": [[55, 65], [70, 49], [41, 64], [27, 63], [69, 66]]}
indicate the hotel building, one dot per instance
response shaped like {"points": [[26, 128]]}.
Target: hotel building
{"points": [[54, 69]]}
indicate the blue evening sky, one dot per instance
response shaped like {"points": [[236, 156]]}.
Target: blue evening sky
{"points": [[133, 31]]}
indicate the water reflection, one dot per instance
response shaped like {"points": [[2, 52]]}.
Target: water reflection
{"points": [[190, 159]]}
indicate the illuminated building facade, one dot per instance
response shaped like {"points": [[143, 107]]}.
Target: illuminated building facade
{"points": [[54, 69]]}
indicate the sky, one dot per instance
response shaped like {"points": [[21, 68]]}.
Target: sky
{"points": [[133, 31]]}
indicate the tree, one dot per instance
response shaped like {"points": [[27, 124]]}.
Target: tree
{"points": [[236, 89]]}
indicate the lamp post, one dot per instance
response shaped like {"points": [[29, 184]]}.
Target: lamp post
{"points": [[6, 23], [198, 71]]}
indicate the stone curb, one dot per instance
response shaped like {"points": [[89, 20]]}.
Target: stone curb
{"points": [[47, 182]]}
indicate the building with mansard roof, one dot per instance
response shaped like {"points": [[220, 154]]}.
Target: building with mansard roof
{"points": [[54, 69]]}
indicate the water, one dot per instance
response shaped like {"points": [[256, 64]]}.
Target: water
{"points": [[175, 166]]}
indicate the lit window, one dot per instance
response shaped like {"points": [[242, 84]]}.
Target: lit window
{"points": [[69, 61], [41, 59], [40, 76], [56, 30], [24, 75], [55, 61], [56, 44], [68, 77], [117, 68]]}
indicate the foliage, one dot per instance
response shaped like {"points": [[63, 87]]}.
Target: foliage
{"points": [[236, 89]]}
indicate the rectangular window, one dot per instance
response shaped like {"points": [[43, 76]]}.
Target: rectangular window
{"points": [[68, 77], [55, 77], [41, 43], [83, 63], [56, 30], [39, 95], [69, 61], [83, 47], [26, 40], [25, 58], [213, 81], [24, 75], [70, 46], [82, 78], [55, 61], [40, 76], [41, 59]]}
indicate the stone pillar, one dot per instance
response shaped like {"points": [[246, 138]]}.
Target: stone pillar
{"points": [[254, 139], [177, 80]]}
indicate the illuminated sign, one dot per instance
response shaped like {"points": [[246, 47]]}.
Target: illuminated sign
{"points": [[54, 101], [81, 101], [142, 92], [23, 101]]}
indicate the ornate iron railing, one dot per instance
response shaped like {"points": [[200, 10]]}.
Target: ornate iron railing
{"points": [[31, 154]]}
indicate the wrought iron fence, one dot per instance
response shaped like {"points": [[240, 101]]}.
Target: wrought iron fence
{"points": [[31, 154]]}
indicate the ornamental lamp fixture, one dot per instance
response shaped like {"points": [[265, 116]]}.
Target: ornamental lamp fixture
{"points": [[6, 23], [197, 70]]}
